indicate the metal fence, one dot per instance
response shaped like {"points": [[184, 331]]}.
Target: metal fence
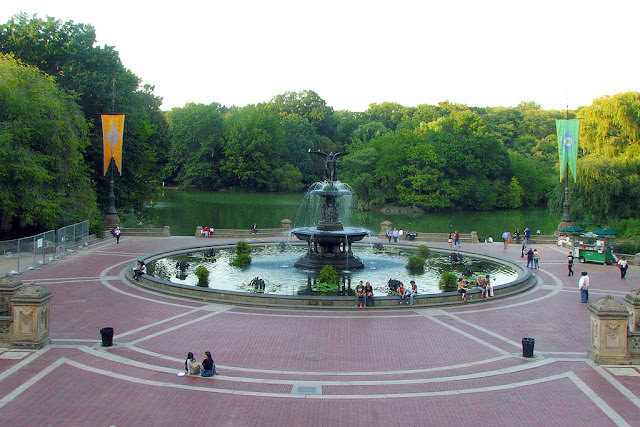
{"points": [[20, 255]]}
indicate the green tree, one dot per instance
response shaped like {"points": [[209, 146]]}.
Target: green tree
{"points": [[43, 177], [309, 105], [197, 140], [253, 147], [66, 51], [611, 125]]}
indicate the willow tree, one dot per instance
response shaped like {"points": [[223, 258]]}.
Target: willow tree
{"points": [[611, 125]]}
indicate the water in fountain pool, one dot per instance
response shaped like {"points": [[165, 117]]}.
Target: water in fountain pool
{"points": [[274, 264]]}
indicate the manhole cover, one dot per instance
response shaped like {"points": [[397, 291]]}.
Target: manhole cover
{"points": [[14, 354], [306, 389]]}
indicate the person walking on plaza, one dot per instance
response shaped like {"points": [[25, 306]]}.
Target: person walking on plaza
{"points": [[583, 285], [524, 247], [117, 232], [505, 238], [389, 234], [450, 240], [396, 234], [527, 235], [623, 265], [456, 239], [570, 263]]}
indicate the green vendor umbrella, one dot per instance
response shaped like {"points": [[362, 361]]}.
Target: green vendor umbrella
{"points": [[605, 232], [572, 230]]}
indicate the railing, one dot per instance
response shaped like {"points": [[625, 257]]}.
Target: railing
{"points": [[27, 253]]}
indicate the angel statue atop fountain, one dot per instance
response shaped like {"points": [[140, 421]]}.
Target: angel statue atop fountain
{"points": [[330, 164]]}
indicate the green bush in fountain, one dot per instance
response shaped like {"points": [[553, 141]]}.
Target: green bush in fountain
{"points": [[448, 282], [415, 263], [242, 258], [203, 276]]}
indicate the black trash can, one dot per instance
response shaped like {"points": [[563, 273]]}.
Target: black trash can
{"points": [[107, 337], [527, 347]]}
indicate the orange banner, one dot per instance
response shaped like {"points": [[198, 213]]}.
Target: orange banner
{"points": [[112, 132]]}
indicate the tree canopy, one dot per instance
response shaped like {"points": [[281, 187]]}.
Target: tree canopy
{"points": [[43, 176], [56, 82]]}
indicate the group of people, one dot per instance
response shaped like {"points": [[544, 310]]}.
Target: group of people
{"points": [[533, 258], [405, 294], [205, 369], [139, 270], [364, 295], [483, 285], [207, 231], [394, 234], [506, 237]]}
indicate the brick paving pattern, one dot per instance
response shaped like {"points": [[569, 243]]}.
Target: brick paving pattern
{"points": [[457, 365]]}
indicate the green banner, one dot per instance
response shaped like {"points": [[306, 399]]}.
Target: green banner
{"points": [[568, 131]]}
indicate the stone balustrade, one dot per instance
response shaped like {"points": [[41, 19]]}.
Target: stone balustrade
{"points": [[615, 330], [24, 314]]}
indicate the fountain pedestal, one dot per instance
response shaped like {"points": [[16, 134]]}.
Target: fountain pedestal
{"points": [[329, 242]]}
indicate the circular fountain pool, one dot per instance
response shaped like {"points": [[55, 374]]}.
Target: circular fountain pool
{"points": [[275, 265]]}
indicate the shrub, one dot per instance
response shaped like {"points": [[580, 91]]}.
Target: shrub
{"points": [[241, 260], [203, 276], [626, 247], [415, 263], [448, 282], [328, 275], [424, 251], [243, 248]]}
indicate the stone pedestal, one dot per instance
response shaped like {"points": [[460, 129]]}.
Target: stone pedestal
{"points": [[111, 220], [30, 328], [609, 332], [166, 231], [286, 224], [632, 301], [199, 231], [384, 226], [8, 286], [474, 237]]}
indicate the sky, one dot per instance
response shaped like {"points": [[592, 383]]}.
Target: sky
{"points": [[353, 53]]}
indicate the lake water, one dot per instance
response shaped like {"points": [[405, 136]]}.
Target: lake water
{"points": [[183, 211]]}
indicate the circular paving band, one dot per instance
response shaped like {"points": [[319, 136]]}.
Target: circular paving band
{"points": [[525, 281]]}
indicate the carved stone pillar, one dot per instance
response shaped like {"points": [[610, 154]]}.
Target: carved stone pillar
{"points": [[384, 226], [286, 224], [633, 305], [30, 327], [609, 328], [8, 286]]}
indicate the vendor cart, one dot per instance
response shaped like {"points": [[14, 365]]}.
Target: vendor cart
{"points": [[595, 246]]}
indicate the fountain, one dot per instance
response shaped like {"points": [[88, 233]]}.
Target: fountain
{"points": [[329, 242]]}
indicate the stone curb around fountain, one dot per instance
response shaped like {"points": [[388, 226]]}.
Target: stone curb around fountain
{"points": [[524, 282]]}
